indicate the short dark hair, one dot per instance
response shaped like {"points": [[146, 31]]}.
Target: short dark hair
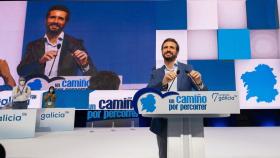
{"points": [[52, 88], [171, 40], [61, 8], [105, 80]]}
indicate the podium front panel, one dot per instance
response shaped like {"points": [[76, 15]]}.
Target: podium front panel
{"points": [[17, 123], [189, 102], [55, 119]]}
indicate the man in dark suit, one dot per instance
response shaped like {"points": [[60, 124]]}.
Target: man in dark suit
{"points": [[162, 79], [56, 54]]}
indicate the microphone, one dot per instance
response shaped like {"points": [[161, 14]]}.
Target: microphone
{"points": [[58, 47], [194, 82], [177, 72]]}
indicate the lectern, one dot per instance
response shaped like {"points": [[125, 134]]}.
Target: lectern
{"points": [[185, 112]]}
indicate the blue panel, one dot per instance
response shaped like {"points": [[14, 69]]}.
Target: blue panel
{"points": [[120, 36], [262, 14], [218, 75], [234, 44], [171, 15], [72, 99]]}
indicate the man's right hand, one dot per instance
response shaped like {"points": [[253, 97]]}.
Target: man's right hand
{"points": [[5, 73], [48, 56], [169, 76]]}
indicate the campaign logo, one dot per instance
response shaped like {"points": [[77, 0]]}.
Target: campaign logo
{"points": [[219, 97], [147, 97], [110, 114], [54, 115], [111, 100], [42, 82], [260, 83], [35, 85], [115, 104], [12, 117], [149, 100], [5, 101]]}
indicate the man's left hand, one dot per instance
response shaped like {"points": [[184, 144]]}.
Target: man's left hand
{"points": [[196, 76], [81, 56]]}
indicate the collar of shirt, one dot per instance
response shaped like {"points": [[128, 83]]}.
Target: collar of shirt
{"points": [[51, 68], [175, 67], [60, 38], [172, 87]]}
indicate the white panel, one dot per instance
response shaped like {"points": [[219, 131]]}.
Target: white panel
{"points": [[12, 16], [35, 99], [232, 14], [202, 15], [243, 66], [17, 123], [180, 36], [202, 44], [264, 44], [55, 119]]}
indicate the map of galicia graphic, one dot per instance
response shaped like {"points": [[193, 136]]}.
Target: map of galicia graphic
{"points": [[260, 83], [148, 103]]}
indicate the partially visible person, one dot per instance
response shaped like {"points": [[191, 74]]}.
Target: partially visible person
{"points": [[57, 53], [50, 98], [6, 75], [105, 80], [21, 95], [2, 151]]}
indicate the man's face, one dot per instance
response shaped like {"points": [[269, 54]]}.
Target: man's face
{"points": [[56, 21], [169, 52]]}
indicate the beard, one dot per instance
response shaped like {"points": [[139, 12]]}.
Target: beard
{"points": [[170, 58], [54, 32]]}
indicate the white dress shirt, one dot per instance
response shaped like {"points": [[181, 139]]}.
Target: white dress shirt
{"points": [[20, 93], [174, 85], [53, 47]]}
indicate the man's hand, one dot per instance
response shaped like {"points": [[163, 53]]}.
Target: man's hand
{"points": [[81, 56], [48, 56], [5, 73], [196, 76], [169, 76]]}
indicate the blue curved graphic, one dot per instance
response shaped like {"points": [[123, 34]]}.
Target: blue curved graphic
{"points": [[35, 85], [149, 90], [49, 80]]}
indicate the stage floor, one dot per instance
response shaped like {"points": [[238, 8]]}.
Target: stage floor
{"points": [[226, 142]]}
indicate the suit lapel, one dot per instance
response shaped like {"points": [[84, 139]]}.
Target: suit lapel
{"points": [[161, 73], [40, 47]]}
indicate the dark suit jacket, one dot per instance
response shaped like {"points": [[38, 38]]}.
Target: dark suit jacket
{"points": [[67, 66], [184, 83]]}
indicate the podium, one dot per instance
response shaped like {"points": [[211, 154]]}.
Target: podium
{"points": [[185, 112]]}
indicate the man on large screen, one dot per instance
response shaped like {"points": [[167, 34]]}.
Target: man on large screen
{"points": [[57, 53]]}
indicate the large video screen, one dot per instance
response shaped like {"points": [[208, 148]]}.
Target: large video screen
{"points": [[233, 44]]}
